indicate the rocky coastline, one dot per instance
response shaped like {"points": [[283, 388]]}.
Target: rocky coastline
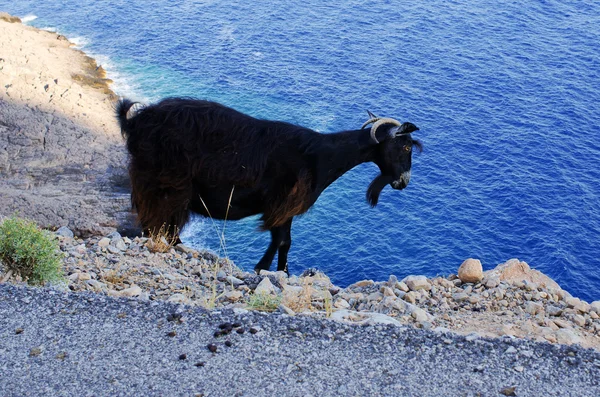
{"points": [[62, 164], [62, 159]]}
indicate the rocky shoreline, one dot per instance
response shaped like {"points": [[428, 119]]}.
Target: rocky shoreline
{"points": [[62, 158], [62, 163], [504, 302]]}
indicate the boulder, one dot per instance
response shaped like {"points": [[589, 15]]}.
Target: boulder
{"points": [[517, 271], [470, 271]]}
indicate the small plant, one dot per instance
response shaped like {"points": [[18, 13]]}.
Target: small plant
{"points": [[32, 253], [264, 302], [160, 240]]}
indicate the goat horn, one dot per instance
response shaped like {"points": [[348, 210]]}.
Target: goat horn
{"points": [[378, 123], [372, 120]]}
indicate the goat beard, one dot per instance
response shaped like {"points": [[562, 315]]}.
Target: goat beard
{"points": [[376, 187]]}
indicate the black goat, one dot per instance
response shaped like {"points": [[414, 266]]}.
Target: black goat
{"points": [[197, 156]]}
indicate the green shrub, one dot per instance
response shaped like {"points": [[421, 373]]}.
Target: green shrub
{"points": [[264, 302], [29, 251]]}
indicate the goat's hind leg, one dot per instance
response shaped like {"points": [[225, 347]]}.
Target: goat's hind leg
{"points": [[280, 240]]}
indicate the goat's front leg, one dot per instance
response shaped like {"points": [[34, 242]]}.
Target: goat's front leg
{"points": [[280, 240], [284, 248]]}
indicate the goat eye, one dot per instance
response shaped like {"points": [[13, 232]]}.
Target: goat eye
{"points": [[407, 148]]}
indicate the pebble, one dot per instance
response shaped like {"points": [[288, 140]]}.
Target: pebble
{"points": [[104, 242]]}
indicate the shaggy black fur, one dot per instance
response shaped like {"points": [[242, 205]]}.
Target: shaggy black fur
{"points": [[191, 155]]}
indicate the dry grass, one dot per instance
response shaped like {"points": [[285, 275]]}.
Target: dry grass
{"points": [[160, 240]]}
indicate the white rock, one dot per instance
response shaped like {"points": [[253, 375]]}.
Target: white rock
{"points": [[341, 304], [533, 308], [97, 285], [64, 232], [402, 286], [579, 320], [572, 302], [567, 336], [419, 315], [134, 290], [415, 283], [120, 244], [178, 298], [595, 307], [470, 271], [234, 281], [265, 287], [104, 242], [583, 307], [370, 318]]}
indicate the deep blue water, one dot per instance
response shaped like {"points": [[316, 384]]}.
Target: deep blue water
{"points": [[507, 96]]}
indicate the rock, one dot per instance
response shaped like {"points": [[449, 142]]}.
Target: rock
{"points": [[470, 271], [579, 320], [553, 311], [571, 301], [583, 307], [361, 318], [392, 281], [515, 270], [411, 297], [96, 285], [119, 244], [533, 308], [221, 276], [265, 287], [64, 232], [234, 281], [341, 303], [567, 336], [561, 323], [233, 296], [104, 242], [595, 307], [460, 296], [402, 286], [114, 236], [360, 284], [286, 310], [419, 315], [134, 290], [178, 298], [387, 291], [113, 250], [415, 283], [510, 350]]}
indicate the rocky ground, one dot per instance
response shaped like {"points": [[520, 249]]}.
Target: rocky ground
{"points": [[62, 159], [511, 300], [87, 344]]}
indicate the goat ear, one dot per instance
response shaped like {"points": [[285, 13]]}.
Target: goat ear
{"points": [[375, 189]]}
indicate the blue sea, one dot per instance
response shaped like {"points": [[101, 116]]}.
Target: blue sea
{"points": [[506, 94]]}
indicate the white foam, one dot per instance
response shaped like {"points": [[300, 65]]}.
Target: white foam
{"points": [[49, 29], [79, 42], [28, 18]]}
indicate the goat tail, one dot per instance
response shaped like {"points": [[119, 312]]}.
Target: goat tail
{"points": [[122, 108]]}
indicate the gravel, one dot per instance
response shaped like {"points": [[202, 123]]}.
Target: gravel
{"points": [[58, 343]]}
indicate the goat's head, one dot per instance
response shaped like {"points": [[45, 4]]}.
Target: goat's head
{"points": [[394, 154]]}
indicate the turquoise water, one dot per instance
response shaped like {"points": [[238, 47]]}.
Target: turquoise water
{"points": [[506, 95]]}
